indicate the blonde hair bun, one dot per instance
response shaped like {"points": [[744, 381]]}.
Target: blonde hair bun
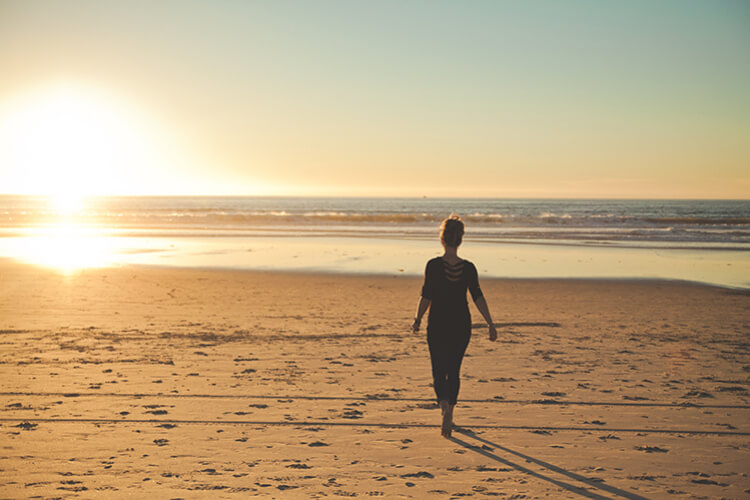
{"points": [[452, 231]]}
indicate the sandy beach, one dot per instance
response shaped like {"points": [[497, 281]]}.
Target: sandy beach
{"points": [[185, 383], [216, 219]]}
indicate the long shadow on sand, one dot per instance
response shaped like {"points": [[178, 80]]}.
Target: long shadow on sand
{"points": [[489, 445]]}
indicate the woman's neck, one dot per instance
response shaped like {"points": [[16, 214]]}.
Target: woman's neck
{"points": [[451, 252]]}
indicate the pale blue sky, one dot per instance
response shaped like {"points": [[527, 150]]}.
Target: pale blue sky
{"points": [[405, 98]]}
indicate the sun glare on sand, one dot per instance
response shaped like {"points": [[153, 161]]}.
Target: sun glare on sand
{"points": [[64, 243], [67, 248]]}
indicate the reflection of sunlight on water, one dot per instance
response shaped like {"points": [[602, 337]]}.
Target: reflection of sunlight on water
{"points": [[65, 244], [65, 247], [68, 247]]}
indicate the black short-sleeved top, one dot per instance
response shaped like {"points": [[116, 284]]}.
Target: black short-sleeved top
{"points": [[445, 286]]}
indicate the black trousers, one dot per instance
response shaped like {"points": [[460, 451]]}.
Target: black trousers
{"points": [[447, 348]]}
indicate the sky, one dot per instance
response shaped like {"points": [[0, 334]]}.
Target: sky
{"points": [[528, 98]]}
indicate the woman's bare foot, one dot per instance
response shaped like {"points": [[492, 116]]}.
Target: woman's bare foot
{"points": [[447, 421]]}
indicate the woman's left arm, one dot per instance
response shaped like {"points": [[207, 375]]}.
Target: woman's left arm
{"points": [[481, 304], [479, 300]]}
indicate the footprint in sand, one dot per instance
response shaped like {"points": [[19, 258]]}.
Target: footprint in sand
{"points": [[423, 474], [651, 449], [608, 436], [298, 466], [707, 481], [352, 414], [698, 394], [317, 444]]}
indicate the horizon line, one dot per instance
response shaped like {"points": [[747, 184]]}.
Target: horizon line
{"points": [[303, 196]]}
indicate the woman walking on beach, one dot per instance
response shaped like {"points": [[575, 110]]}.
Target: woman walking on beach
{"points": [[446, 280]]}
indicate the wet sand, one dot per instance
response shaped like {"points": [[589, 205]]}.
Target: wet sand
{"points": [[177, 383]]}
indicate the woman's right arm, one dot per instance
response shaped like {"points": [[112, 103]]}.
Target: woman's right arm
{"points": [[426, 299], [424, 304]]}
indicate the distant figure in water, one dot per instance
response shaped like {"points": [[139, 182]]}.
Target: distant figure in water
{"points": [[446, 279]]}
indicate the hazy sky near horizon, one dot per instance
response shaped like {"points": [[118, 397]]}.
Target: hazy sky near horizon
{"points": [[523, 98]]}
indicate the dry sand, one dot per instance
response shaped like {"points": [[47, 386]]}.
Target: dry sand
{"points": [[141, 382]]}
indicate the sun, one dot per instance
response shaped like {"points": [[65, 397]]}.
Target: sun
{"points": [[67, 141], [67, 203]]}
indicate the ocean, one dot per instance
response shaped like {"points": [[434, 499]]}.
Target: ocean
{"points": [[696, 240]]}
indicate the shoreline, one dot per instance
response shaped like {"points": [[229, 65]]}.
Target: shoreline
{"points": [[365, 274], [10, 262], [358, 254]]}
